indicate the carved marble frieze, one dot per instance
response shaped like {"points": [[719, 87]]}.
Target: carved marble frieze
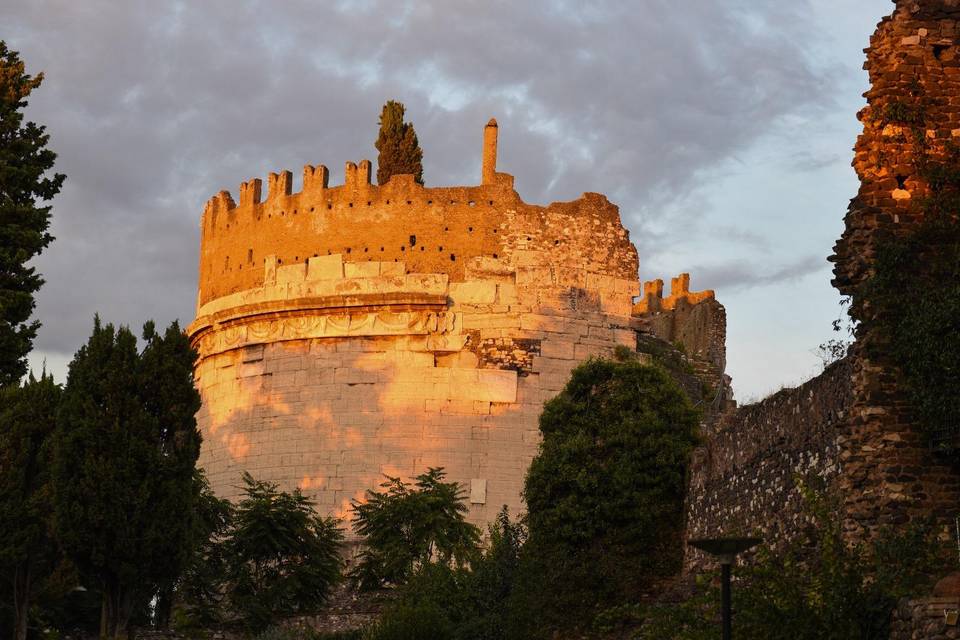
{"points": [[433, 330]]}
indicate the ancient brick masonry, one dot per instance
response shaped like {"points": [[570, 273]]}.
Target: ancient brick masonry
{"points": [[913, 112], [347, 332]]}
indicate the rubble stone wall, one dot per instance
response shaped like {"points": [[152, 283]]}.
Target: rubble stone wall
{"points": [[745, 478], [912, 116]]}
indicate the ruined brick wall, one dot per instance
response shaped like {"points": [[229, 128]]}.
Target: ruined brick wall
{"points": [[851, 426], [744, 478], [326, 362], [913, 112]]}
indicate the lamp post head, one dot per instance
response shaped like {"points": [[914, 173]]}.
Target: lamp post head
{"points": [[724, 548]]}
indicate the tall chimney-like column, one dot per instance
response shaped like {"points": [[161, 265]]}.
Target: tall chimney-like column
{"points": [[489, 152]]}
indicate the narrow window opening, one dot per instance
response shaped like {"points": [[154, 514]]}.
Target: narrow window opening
{"points": [[938, 50], [453, 258], [249, 255], [901, 182], [413, 241]]}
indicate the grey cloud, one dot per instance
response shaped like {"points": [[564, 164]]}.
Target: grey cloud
{"points": [[733, 275], [154, 106]]}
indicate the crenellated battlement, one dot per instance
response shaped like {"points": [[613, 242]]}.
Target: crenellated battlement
{"points": [[433, 229], [654, 302]]}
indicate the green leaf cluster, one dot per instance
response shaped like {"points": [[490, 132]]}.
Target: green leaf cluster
{"points": [[443, 602], [405, 527], [25, 182], [605, 493], [281, 557], [397, 144]]}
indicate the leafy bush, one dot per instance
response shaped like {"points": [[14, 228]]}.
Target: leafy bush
{"points": [[405, 622], [403, 528], [817, 588], [466, 603], [282, 558], [605, 494]]}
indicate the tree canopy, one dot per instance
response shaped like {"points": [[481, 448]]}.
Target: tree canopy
{"points": [[282, 557], [27, 551], [405, 527], [605, 493], [398, 145], [24, 183], [126, 447]]}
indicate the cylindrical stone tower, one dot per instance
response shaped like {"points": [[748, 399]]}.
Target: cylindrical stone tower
{"points": [[351, 332]]}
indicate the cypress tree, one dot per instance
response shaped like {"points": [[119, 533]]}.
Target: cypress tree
{"points": [[27, 422], [24, 163], [398, 145], [123, 467]]}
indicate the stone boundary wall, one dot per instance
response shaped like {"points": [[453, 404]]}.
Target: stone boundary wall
{"points": [[743, 479]]}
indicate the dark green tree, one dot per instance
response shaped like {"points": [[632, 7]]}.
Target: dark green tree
{"points": [[398, 145], [282, 558], [403, 528], [123, 469], [27, 551], [441, 601], [199, 592], [605, 493], [24, 182]]}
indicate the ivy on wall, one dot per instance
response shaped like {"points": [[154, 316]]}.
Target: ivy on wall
{"points": [[913, 299]]}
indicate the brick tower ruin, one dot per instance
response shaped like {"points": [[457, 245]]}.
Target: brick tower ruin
{"points": [[347, 332]]}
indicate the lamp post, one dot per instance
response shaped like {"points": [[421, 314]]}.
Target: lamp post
{"points": [[725, 550]]}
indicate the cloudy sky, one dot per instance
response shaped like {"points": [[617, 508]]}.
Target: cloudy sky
{"points": [[722, 128]]}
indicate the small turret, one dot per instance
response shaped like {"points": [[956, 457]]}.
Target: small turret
{"points": [[489, 152]]}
